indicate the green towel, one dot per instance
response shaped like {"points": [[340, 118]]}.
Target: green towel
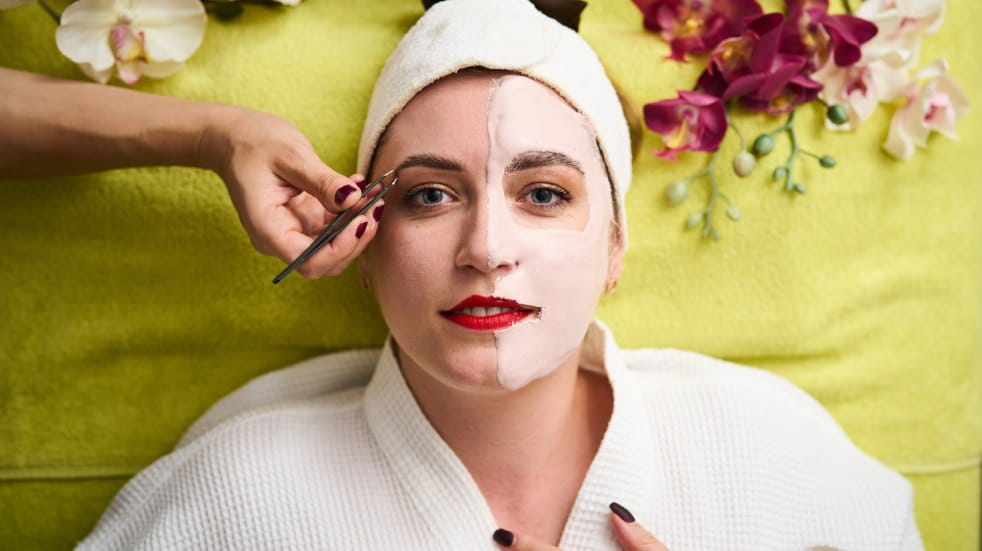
{"points": [[131, 300]]}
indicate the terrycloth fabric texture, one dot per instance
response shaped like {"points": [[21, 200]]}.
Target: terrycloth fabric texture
{"points": [[712, 455], [131, 300], [456, 34]]}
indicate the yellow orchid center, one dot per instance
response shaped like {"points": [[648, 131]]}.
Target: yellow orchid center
{"points": [[127, 45], [680, 137], [692, 26]]}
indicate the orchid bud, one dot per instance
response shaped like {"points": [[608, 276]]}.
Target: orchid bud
{"points": [[714, 234], [677, 191], [743, 164], [827, 161], [798, 187], [693, 220], [837, 114], [779, 173], [733, 213], [763, 145], [228, 10]]}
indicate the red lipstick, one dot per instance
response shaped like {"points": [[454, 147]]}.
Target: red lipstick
{"points": [[471, 313]]}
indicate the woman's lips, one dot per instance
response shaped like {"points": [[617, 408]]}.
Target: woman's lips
{"points": [[488, 313]]}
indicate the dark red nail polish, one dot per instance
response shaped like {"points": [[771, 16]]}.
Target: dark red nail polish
{"points": [[503, 537], [360, 182], [377, 213], [343, 193], [621, 511], [361, 229]]}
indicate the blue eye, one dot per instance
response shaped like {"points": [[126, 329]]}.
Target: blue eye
{"points": [[542, 196], [428, 196], [548, 196], [431, 196]]}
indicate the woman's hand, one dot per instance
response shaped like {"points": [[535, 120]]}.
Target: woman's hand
{"points": [[284, 194], [629, 534]]}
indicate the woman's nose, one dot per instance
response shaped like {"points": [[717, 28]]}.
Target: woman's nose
{"points": [[487, 244]]}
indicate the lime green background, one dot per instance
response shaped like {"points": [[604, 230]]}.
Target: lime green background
{"points": [[131, 300]]}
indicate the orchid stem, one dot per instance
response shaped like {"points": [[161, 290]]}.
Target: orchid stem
{"points": [[789, 128], [54, 15], [847, 6], [708, 230], [743, 143]]}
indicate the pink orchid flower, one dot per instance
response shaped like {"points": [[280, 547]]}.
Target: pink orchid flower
{"points": [[691, 122], [135, 37], [902, 23], [753, 69], [695, 26], [860, 88], [811, 32], [931, 106]]}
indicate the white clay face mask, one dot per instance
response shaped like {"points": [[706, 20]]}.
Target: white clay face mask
{"points": [[558, 263]]}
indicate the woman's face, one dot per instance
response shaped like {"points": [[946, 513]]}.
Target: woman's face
{"points": [[497, 241]]}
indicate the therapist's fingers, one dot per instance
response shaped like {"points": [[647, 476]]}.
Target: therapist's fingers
{"points": [[629, 534], [519, 542], [304, 170], [312, 215]]}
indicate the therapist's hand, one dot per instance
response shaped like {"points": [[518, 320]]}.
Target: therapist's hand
{"points": [[629, 534], [284, 194]]}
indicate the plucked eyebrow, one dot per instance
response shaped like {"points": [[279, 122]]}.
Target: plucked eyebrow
{"points": [[429, 160], [536, 159]]}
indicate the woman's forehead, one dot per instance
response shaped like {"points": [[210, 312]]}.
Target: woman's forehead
{"points": [[452, 115]]}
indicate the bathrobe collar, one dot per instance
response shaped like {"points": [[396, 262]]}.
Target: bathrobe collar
{"points": [[446, 495]]}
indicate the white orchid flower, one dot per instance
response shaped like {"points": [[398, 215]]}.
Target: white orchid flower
{"points": [[932, 106], [900, 24], [137, 37], [883, 72], [860, 87]]}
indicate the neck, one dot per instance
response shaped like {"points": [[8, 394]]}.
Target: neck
{"points": [[529, 449]]}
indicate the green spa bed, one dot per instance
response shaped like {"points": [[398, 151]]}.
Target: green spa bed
{"points": [[131, 300]]}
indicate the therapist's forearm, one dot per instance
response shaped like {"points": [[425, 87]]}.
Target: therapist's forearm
{"points": [[55, 127]]}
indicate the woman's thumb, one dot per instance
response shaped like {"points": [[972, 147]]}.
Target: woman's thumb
{"points": [[629, 534]]}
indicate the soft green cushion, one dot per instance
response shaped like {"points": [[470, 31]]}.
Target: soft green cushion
{"points": [[131, 300]]}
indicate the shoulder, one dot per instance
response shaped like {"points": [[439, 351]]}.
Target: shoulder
{"points": [[250, 459], [684, 375], [726, 425]]}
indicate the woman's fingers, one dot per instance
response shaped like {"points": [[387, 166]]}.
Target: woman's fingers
{"points": [[519, 542], [629, 534]]}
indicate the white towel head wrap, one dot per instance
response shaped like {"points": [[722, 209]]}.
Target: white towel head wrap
{"points": [[510, 35]]}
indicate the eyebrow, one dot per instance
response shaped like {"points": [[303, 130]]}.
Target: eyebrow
{"points": [[430, 160], [536, 159]]}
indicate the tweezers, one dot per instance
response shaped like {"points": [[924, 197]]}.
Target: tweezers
{"points": [[340, 222]]}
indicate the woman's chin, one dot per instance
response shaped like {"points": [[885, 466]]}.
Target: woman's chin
{"points": [[473, 369]]}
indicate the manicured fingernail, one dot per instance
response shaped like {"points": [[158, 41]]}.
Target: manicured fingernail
{"points": [[377, 213], [359, 181], [621, 511], [361, 231], [503, 537], [343, 193]]}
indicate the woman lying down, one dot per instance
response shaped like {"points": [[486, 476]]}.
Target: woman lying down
{"points": [[500, 413]]}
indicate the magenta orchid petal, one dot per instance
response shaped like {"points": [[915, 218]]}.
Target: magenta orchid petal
{"points": [[696, 26], [743, 85], [767, 29], [784, 69], [847, 34], [661, 116], [692, 122], [698, 99]]}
